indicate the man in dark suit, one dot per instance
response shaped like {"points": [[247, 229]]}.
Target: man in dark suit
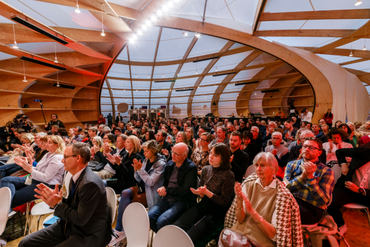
{"points": [[84, 215], [119, 118]]}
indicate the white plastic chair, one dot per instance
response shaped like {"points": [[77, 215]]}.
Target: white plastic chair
{"points": [[112, 202], [40, 209], [170, 236], [251, 169], [359, 207], [135, 221], [5, 201], [337, 172]]}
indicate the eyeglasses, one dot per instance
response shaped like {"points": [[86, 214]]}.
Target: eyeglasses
{"points": [[309, 147], [203, 140], [67, 156], [174, 153]]}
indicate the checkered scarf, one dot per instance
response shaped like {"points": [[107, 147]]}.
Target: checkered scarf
{"points": [[288, 221]]}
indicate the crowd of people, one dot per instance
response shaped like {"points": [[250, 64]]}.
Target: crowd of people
{"points": [[192, 173]]}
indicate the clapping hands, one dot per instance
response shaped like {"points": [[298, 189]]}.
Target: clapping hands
{"points": [[137, 165]]}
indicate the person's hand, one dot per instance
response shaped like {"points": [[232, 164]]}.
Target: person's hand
{"points": [[351, 186], [22, 162], [46, 126], [344, 169], [165, 152], [231, 158], [162, 191], [331, 145], [194, 141], [107, 148], [29, 155], [66, 140], [351, 135], [339, 145], [137, 165], [169, 140], [95, 148], [237, 190], [111, 158], [310, 169], [274, 152], [118, 159], [50, 196], [201, 191], [247, 204]]}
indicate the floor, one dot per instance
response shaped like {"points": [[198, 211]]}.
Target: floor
{"points": [[358, 234]]}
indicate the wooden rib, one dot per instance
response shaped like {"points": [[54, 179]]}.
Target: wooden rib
{"points": [[205, 71], [111, 98], [154, 63], [20, 53], [8, 11], [303, 33], [258, 21], [358, 34], [132, 90], [188, 60], [317, 15], [44, 94], [187, 52], [43, 79]]}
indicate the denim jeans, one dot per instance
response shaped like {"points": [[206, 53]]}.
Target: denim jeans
{"points": [[126, 198], [7, 170], [165, 213], [20, 192]]}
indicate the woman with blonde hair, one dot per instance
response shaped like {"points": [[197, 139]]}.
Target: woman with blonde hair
{"points": [[49, 170]]}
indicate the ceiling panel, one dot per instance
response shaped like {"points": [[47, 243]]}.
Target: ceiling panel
{"points": [[206, 45]]}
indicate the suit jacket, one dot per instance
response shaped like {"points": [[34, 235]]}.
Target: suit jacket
{"points": [[119, 119], [86, 211]]}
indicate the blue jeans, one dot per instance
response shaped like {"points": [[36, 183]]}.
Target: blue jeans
{"points": [[165, 213], [20, 192], [126, 198], [7, 170]]}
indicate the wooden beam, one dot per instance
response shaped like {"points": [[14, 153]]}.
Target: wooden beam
{"points": [[317, 15], [303, 33], [8, 12], [111, 98], [45, 94], [154, 63]]}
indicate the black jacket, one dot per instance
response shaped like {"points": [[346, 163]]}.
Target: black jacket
{"points": [[186, 179], [239, 164], [360, 156], [86, 212], [125, 172], [58, 122]]}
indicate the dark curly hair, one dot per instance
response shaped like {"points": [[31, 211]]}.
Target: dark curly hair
{"points": [[337, 131]]}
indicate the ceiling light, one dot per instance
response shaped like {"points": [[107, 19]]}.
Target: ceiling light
{"points": [[24, 79], [196, 72], [351, 55], [24, 73], [169, 4], [148, 75], [358, 3], [102, 23], [185, 33], [139, 32], [58, 85], [144, 27], [197, 35], [148, 23], [163, 75], [165, 8], [77, 10], [159, 13], [153, 18], [216, 69], [15, 45], [364, 49], [102, 33]]}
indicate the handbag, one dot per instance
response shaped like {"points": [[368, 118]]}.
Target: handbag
{"points": [[229, 238]]}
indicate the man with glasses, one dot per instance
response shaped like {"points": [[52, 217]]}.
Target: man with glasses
{"points": [[230, 129], [180, 175], [84, 215], [311, 182]]}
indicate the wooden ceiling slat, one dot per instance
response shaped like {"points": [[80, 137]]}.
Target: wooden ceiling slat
{"points": [[303, 33]]}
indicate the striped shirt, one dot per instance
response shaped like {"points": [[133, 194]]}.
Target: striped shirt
{"points": [[317, 191]]}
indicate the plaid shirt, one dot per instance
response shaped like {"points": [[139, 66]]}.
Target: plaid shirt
{"points": [[317, 191]]}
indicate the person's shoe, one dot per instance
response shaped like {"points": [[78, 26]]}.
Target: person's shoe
{"points": [[117, 239], [342, 229]]}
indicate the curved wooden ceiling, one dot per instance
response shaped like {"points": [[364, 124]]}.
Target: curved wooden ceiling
{"points": [[88, 57]]}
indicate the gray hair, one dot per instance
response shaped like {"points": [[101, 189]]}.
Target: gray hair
{"points": [[270, 160], [277, 133], [307, 133], [256, 128], [41, 134], [83, 150], [123, 136], [106, 129], [98, 140]]}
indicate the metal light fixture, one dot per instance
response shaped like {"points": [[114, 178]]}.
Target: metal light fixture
{"points": [[77, 10], [358, 3], [24, 74], [15, 46]]}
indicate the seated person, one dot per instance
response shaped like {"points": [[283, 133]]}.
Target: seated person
{"points": [[280, 152], [240, 159], [96, 160], [180, 175], [248, 146], [336, 137], [123, 165], [216, 190], [49, 171], [149, 177], [354, 184], [257, 140], [108, 171], [289, 133], [264, 211], [180, 138], [201, 154], [221, 137], [316, 129], [84, 215], [310, 181], [295, 151]]}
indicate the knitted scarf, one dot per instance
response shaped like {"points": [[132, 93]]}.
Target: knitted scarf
{"points": [[288, 221]]}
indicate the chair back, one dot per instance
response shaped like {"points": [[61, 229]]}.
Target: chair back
{"points": [[112, 202], [337, 172], [251, 169], [135, 222], [170, 236], [4, 207]]}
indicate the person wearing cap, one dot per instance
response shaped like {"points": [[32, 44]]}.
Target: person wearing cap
{"points": [[306, 115]]}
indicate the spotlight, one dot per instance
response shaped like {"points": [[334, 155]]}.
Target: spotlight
{"points": [[15, 46], [358, 3], [102, 33], [197, 35], [185, 33]]}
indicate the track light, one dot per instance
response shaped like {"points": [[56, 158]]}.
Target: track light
{"points": [[351, 55], [15, 46], [102, 33], [77, 10], [197, 35], [24, 73], [185, 33], [358, 3]]}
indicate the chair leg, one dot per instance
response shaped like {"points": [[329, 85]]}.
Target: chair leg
{"points": [[151, 238], [27, 218], [368, 216], [38, 223]]}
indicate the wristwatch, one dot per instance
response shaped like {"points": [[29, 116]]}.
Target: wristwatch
{"points": [[361, 191]]}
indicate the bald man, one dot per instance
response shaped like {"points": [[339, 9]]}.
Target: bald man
{"points": [[180, 175]]}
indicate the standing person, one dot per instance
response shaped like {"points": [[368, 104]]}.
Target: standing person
{"points": [[84, 215], [306, 115], [328, 117], [101, 120], [110, 120], [54, 121], [119, 118], [216, 190]]}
